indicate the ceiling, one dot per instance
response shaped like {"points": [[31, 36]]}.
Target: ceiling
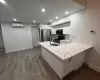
{"points": [[29, 10]]}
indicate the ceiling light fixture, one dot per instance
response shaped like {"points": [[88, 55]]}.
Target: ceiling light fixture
{"points": [[57, 17], [50, 20], [66, 12], [14, 19], [43, 10], [34, 21], [3, 2]]}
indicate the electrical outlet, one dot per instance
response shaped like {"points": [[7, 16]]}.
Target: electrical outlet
{"points": [[73, 36]]}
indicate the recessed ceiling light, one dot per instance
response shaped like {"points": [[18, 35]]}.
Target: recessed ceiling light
{"points": [[3, 2], [50, 20], [43, 10], [66, 12], [14, 19], [57, 17], [34, 21]]}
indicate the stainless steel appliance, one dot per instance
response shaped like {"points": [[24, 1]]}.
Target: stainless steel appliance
{"points": [[45, 35]]}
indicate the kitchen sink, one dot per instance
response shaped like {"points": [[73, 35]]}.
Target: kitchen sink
{"points": [[54, 44]]}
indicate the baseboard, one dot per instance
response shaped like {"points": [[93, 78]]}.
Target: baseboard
{"points": [[8, 51], [94, 67]]}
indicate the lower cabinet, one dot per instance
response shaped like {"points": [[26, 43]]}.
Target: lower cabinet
{"points": [[73, 63], [63, 67]]}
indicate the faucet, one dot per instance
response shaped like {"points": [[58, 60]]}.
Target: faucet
{"points": [[50, 40]]}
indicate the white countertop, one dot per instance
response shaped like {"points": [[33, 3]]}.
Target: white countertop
{"points": [[65, 51]]}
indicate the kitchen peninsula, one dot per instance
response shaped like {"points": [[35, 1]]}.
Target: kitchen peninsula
{"points": [[64, 58]]}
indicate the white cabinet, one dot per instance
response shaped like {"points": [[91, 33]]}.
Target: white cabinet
{"points": [[53, 31], [66, 30], [54, 62], [73, 63], [63, 67]]}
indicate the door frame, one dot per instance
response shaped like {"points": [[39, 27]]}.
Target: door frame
{"points": [[38, 35]]}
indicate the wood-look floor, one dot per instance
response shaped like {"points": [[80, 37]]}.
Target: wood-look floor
{"points": [[29, 65], [83, 73], [24, 65]]}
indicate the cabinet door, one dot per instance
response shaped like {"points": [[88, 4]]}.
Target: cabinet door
{"points": [[78, 60], [54, 62], [53, 31], [68, 66], [66, 30], [73, 63]]}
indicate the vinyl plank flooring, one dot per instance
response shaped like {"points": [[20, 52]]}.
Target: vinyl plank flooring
{"points": [[83, 73], [30, 65], [23, 65]]}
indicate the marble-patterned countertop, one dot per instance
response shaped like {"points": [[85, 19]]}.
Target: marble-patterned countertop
{"points": [[65, 51]]}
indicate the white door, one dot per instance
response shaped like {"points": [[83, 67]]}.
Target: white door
{"points": [[35, 36]]}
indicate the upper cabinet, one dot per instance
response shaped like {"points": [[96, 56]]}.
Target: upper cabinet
{"points": [[62, 25], [64, 22]]}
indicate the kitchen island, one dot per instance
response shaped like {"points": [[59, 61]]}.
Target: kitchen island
{"points": [[64, 58]]}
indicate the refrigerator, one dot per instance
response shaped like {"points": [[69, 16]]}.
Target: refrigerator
{"points": [[45, 35]]}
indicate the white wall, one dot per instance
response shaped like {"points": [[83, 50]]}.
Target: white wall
{"points": [[81, 24], [16, 38]]}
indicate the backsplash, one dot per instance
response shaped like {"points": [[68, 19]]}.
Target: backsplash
{"points": [[67, 36]]}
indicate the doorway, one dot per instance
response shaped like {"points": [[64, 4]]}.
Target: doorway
{"points": [[2, 48], [35, 36]]}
